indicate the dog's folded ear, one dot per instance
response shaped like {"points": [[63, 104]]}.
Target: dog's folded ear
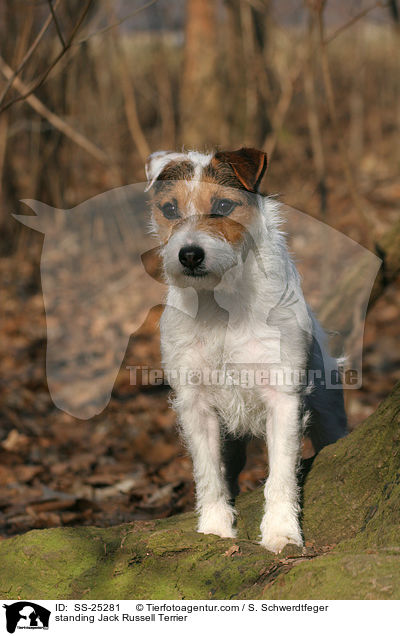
{"points": [[248, 164], [155, 164]]}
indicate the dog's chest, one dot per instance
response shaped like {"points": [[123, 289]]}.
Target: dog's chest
{"points": [[216, 342], [215, 357], [252, 343]]}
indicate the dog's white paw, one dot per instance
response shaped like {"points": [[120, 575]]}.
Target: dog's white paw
{"points": [[276, 543], [276, 533], [217, 519]]}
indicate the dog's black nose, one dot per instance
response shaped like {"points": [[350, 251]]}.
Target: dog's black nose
{"points": [[191, 256]]}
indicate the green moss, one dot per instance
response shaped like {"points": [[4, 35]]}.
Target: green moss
{"points": [[353, 488], [351, 517], [352, 575]]}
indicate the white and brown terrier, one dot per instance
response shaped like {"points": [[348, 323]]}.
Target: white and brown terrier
{"points": [[220, 237]]}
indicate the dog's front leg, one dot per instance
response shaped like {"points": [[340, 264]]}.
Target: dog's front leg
{"points": [[202, 433], [280, 524]]}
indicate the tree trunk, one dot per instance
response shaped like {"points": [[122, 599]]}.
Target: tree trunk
{"points": [[200, 104]]}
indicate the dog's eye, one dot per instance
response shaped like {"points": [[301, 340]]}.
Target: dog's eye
{"points": [[223, 207], [170, 210]]}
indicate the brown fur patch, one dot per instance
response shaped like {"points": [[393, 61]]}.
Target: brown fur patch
{"points": [[175, 171], [222, 173], [174, 190], [152, 263], [307, 448], [224, 226], [197, 204]]}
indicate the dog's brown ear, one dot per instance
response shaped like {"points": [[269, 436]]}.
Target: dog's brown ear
{"points": [[248, 164]]}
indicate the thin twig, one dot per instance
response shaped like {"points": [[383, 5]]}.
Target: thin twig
{"points": [[54, 119], [355, 19], [56, 24], [130, 104], [115, 24], [37, 83], [280, 112], [4, 129], [314, 125], [360, 204], [27, 55]]}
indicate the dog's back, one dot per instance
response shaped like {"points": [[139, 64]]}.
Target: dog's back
{"points": [[324, 403]]}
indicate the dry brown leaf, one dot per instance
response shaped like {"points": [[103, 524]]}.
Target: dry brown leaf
{"points": [[234, 549]]}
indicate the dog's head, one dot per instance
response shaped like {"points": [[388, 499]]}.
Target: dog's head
{"points": [[203, 206]]}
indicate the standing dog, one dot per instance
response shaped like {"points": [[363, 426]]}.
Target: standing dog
{"points": [[221, 238]]}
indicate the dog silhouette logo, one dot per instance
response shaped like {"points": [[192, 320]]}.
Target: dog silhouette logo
{"points": [[26, 615], [103, 271]]}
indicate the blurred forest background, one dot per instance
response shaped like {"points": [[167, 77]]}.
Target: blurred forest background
{"points": [[87, 90]]}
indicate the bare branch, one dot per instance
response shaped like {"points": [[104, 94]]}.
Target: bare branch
{"points": [[39, 81], [314, 124], [27, 55], [130, 105], [355, 19], [362, 206], [54, 119], [280, 112], [115, 24], [58, 28]]}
